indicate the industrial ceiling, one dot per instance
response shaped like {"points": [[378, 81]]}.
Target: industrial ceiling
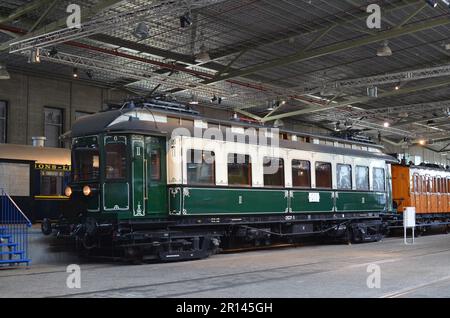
{"points": [[314, 61]]}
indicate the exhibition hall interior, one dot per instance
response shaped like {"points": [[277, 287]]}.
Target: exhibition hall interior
{"points": [[225, 149]]}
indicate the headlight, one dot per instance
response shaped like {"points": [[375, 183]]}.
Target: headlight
{"points": [[87, 190], [68, 191]]}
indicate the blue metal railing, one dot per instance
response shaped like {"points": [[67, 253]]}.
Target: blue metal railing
{"points": [[14, 226]]}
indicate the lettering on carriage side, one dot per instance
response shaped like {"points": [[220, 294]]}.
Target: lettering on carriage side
{"points": [[74, 19], [73, 281], [51, 167], [374, 19], [374, 279]]}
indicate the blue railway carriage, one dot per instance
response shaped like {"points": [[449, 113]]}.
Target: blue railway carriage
{"points": [[156, 180]]}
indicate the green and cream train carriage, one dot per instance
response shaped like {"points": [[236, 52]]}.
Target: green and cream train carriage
{"points": [[157, 180]]}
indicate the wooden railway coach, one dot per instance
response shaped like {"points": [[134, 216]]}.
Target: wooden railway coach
{"points": [[425, 187], [151, 182]]}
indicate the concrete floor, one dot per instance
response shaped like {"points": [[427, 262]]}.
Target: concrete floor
{"points": [[421, 270]]}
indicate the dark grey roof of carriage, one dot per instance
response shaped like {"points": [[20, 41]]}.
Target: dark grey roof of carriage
{"points": [[101, 123], [94, 124]]}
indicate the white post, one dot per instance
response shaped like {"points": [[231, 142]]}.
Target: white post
{"points": [[409, 222]]}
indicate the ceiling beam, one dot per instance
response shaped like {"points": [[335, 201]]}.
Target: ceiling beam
{"points": [[415, 121], [23, 10], [43, 16], [245, 113], [336, 48], [403, 91], [182, 58], [391, 110], [136, 46], [262, 41], [87, 14]]}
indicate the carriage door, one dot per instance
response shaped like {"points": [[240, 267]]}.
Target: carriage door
{"points": [[138, 175], [156, 185]]}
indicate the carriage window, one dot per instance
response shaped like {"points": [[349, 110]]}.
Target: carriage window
{"points": [[428, 183], [323, 175], [53, 126], [273, 172], [52, 183], [116, 160], [239, 170], [362, 178], [416, 184], [378, 179], [200, 167], [424, 184], [155, 165], [85, 164], [344, 177], [301, 173]]}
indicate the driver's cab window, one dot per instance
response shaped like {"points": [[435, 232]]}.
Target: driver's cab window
{"points": [[116, 157]]}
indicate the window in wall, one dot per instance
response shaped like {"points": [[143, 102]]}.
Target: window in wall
{"points": [[362, 178], [116, 158], [323, 175], [379, 182], [53, 126], [201, 167], [301, 173], [344, 176], [239, 170], [273, 172], [3, 122], [79, 114]]}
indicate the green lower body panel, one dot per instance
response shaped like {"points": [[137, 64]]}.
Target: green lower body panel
{"points": [[202, 201], [229, 201], [94, 203], [312, 201], [116, 197], [360, 201]]}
